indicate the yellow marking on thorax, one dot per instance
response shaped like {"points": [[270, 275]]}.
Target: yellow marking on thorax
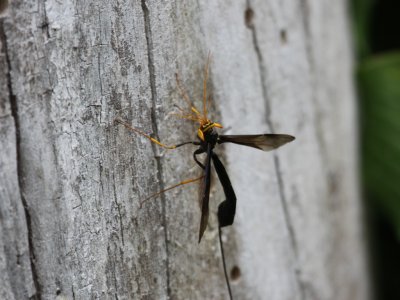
{"points": [[200, 134], [206, 127]]}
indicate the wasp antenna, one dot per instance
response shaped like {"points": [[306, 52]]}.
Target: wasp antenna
{"points": [[209, 101], [184, 94], [205, 79]]}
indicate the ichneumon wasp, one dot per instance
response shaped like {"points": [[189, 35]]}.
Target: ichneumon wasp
{"points": [[207, 139]]}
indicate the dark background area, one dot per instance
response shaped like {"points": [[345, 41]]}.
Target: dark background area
{"points": [[377, 34], [384, 27]]}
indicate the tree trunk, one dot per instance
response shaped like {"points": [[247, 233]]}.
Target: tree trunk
{"points": [[71, 180]]}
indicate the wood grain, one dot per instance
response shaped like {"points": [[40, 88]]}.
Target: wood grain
{"points": [[71, 180]]}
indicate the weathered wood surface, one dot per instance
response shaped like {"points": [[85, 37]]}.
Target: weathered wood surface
{"points": [[16, 280], [71, 181]]}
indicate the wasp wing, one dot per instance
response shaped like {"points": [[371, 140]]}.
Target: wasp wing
{"points": [[205, 193], [265, 142]]}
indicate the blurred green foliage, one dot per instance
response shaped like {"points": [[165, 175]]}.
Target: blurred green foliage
{"points": [[378, 77], [376, 25], [361, 19], [379, 88]]}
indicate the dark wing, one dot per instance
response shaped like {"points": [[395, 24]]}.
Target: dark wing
{"points": [[227, 208], [265, 142], [205, 193]]}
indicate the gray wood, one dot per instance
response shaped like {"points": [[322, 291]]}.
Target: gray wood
{"points": [[71, 68], [15, 263]]}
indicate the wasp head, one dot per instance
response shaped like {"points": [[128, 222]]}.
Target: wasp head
{"points": [[206, 127]]}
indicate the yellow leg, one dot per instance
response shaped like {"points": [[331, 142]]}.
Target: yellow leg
{"points": [[170, 188], [146, 135]]}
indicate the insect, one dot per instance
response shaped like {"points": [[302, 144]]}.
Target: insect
{"points": [[207, 139]]}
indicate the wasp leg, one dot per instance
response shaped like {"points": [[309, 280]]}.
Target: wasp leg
{"points": [[170, 188], [195, 153], [137, 131]]}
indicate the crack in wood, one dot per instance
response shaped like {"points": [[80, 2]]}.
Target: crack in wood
{"points": [[278, 173], [73, 292], [311, 63], [14, 113], [148, 34], [261, 66], [121, 227]]}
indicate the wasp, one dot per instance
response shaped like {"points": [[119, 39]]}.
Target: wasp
{"points": [[207, 139]]}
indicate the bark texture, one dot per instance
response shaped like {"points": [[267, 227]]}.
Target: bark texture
{"points": [[71, 181]]}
